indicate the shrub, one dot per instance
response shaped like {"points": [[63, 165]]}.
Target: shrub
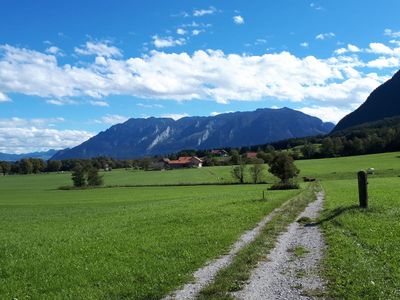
{"points": [[93, 177], [78, 176]]}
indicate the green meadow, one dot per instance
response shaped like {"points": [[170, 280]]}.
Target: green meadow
{"points": [[114, 243], [143, 242]]}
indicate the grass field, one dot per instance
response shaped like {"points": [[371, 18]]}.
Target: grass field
{"points": [[143, 242], [363, 258], [116, 243]]}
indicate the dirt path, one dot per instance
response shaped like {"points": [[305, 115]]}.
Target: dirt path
{"points": [[290, 270], [206, 274]]}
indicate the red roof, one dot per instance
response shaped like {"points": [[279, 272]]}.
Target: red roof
{"points": [[251, 154], [184, 160]]}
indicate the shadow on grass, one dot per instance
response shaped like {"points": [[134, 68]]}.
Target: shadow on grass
{"points": [[333, 214]]}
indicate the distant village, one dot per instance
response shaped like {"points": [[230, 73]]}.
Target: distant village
{"points": [[194, 161]]}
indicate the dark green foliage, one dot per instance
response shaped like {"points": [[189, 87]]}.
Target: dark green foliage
{"points": [[327, 147], [282, 166], [5, 167], [256, 172], [239, 171], [25, 166], [93, 177], [78, 176], [308, 150], [54, 165], [235, 157], [284, 186]]}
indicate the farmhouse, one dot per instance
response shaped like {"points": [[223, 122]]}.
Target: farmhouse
{"points": [[219, 152], [185, 162], [251, 155]]}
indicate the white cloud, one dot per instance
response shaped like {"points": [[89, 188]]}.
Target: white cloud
{"points": [[99, 49], [4, 97], [216, 113], [196, 25], [61, 102], [324, 36], [175, 116], [350, 48], [304, 45], [99, 103], [202, 12], [327, 114], [181, 31], [395, 42], [53, 50], [238, 20], [205, 75], [196, 31], [23, 140], [379, 48], [391, 33], [113, 119], [353, 48], [316, 6], [38, 122], [150, 105], [169, 41], [19, 135], [384, 62]]}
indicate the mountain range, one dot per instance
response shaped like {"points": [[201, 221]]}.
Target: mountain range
{"points": [[156, 136], [14, 157]]}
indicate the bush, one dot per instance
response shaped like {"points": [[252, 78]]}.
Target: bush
{"points": [[285, 186]]}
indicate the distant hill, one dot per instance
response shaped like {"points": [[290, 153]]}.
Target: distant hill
{"points": [[384, 102], [155, 136], [14, 157]]}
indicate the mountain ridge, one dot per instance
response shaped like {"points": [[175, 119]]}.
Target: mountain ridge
{"points": [[45, 155], [383, 102], [139, 137]]}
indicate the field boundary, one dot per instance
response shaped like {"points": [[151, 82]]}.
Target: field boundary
{"points": [[68, 187]]}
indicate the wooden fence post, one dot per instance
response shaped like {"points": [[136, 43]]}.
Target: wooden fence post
{"points": [[363, 189]]}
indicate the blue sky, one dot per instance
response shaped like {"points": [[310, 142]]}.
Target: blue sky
{"points": [[69, 69]]}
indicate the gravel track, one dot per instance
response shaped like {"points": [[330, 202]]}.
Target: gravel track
{"points": [[206, 274], [285, 274]]}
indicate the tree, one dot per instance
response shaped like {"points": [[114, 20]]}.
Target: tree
{"points": [[235, 157], [308, 150], [93, 177], [238, 172], [38, 165], [256, 172], [327, 147], [78, 176], [53, 165], [283, 167], [5, 167], [25, 166]]}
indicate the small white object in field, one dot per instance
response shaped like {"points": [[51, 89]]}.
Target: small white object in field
{"points": [[371, 171]]}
